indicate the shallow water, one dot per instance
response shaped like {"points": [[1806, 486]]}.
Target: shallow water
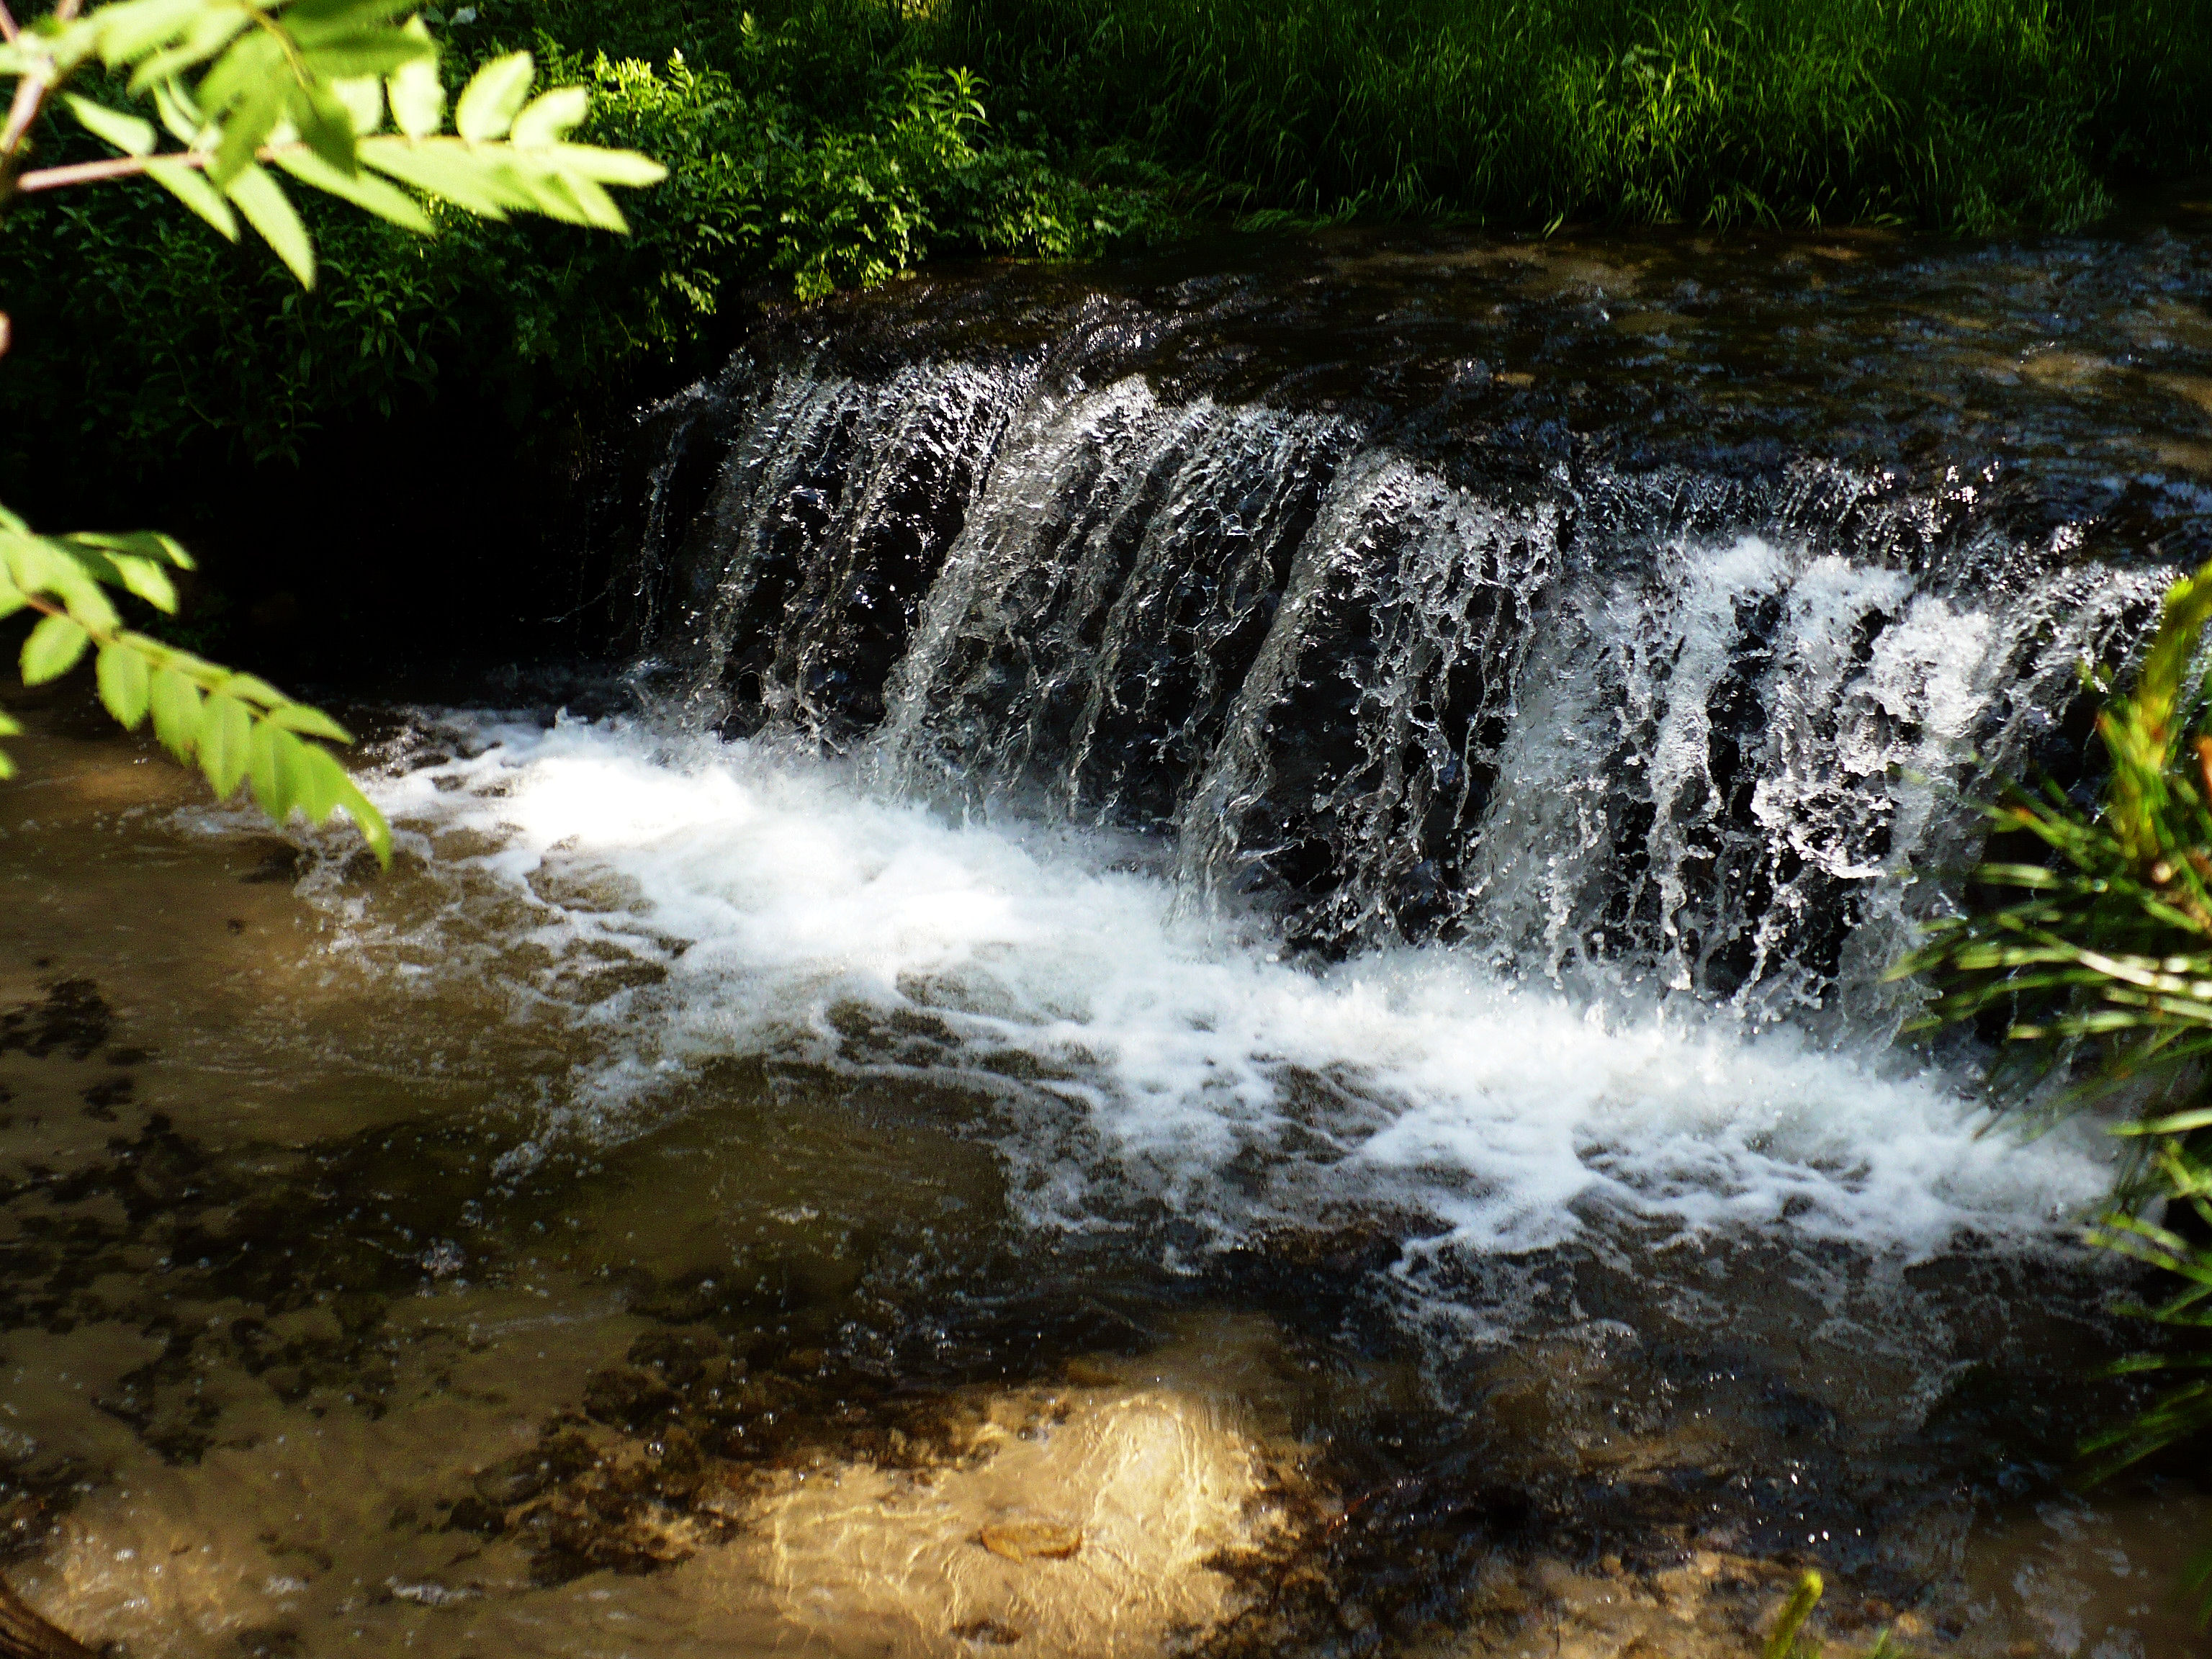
{"points": [[1214, 990], [376, 1272]]}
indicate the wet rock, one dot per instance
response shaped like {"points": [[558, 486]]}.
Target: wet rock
{"points": [[679, 1357], [1031, 1541], [25, 1633], [629, 1399]]}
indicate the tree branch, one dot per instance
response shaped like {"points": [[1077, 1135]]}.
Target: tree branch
{"points": [[126, 166], [7, 29], [30, 98]]}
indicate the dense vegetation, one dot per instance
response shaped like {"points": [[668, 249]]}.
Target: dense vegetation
{"points": [[817, 144]]}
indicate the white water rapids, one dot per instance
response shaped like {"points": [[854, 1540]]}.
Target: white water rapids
{"points": [[1141, 1048]]}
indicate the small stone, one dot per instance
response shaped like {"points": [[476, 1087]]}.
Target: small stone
{"points": [[987, 1634], [1028, 1540]]}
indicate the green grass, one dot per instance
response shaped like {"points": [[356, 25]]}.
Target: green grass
{"points": [[1952, 114]]}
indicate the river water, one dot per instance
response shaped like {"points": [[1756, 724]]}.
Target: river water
{"points": [[1211, 981]]}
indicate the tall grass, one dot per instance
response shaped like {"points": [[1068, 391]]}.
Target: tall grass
{"points": [[1960, 114], [2101, 978]]}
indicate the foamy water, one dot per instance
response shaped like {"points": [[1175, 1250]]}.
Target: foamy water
{"points": [[1142, 1054]]}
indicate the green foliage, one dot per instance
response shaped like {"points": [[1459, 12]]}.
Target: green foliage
{"points": [[238, 730], [2113, 944], [304, 85], [2106, 969], [1957, 114], [162, 339]]}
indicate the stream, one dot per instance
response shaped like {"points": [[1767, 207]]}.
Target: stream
{"points": [[1209, 980]]}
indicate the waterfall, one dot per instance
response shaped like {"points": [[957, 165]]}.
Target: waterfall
{"points": [[1708, 734]]}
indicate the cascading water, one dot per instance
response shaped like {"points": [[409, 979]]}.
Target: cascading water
{"points": [[1308, 817]]}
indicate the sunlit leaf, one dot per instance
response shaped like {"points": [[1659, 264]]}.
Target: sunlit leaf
{"points": [[446, 166], [52, 649], [609, 166], [551, 117], [248, 689], [309, 723], [326, 126], [418, 96], [225, 744], [125, 684], [269, 211], [330, 785], [363, 97], [176, 702], [126, 132], [363, 190], [493, 97]]}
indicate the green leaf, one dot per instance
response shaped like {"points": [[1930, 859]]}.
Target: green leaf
{"points": [[207, 34], [257, 61], [247, 688], [551, 117], [310, 721], [277, 770], [180, 113], [148, 580], [52, 649], [346, 53], [127, 32], [363, 97], [326, 126], [269, 211], [363, 190], [225, 744], [329, 784], [246, 126], [446, 166], [176, 702], [418, 96], [609, 166], [126, 132], [124, 684], [150, 544], [489, 102]]}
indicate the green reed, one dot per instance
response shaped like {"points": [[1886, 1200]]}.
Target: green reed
{"points": [[2100, 978]]}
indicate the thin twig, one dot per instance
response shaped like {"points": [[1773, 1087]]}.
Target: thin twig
{"points": [[125, 167], [7, 29]]}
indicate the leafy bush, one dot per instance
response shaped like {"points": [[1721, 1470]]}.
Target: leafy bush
{"points": [[150, 333]]}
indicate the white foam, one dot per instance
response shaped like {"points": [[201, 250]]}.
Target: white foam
{"points": [[1181, 1063]]}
